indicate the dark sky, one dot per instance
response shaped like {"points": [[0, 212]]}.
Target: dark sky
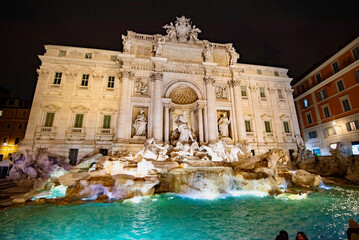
{"points": [[290, 34]]}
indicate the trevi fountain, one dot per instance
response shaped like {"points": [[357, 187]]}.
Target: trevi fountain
{"points": [[184, 187]]}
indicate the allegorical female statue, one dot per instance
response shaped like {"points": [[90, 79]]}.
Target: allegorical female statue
{"points": [[140, 124], [223, 123]]}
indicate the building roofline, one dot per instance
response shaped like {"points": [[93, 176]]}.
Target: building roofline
{"points": [[324, 62]]}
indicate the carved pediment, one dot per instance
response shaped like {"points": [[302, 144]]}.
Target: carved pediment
{"points": [[79, 108], [51, 106]]}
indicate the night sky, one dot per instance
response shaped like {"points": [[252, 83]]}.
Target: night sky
{"points": [[290, 34]]}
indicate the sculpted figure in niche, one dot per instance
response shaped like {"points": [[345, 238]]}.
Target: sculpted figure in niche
{"points": [[126, 41], [193, 34], [233, 56], [140, 124], [158, 47], [185, 131], [208, 52], [223, 123]]}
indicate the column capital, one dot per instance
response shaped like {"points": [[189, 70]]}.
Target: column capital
{"points": [[209, 80], [124, 73], [234, 82], [289, 90], [253, 87], [156, 76], [71, 73], [271, 90]]}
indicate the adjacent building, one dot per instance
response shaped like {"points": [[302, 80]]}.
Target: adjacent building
{"points": [[92, 100], [14, 114], [327, 102]]}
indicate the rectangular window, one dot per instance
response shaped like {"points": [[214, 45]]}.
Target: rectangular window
{"points": [[357, 75], [261, 92], [322, 95], [24, 113], [326, 112], [248, 125], [356, 52], [111, 82], [85, 80], [276, 73], [49, 120], [17, 140], [243, 91], [259, 71], [267, 126], [305, 103], [88, 55], [57, 79], [280, 93], [73, 156], [286, 127], [309, 118], [346, 105], [340, 85], [318, 77], [313, 134], [8, 126], [106, 121], [335, 66], [302, 88], [62, 53], [78, 120], [353, 125], [4, 141], [19, 126]]}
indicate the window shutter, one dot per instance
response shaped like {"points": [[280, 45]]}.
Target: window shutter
{"points": [[348, 126]]}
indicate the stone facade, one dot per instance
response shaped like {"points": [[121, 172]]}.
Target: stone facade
{"points": [[89, 99]]}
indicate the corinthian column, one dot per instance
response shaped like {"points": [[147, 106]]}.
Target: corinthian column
{"points": [[235, 83], [124, 105], [157, 106], [211, 109], [200, 122]]}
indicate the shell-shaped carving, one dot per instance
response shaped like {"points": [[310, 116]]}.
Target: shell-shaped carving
{"points": [[183, 95]]}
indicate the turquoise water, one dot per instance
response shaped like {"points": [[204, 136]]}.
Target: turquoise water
{"points": [[322, 215]]}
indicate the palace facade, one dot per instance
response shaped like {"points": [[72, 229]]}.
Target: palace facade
{"points": [[327, 102], [91, 100]]}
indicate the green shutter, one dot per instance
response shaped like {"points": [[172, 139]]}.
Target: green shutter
{"points": [[78, 120], [49, 119], [107, 121]]}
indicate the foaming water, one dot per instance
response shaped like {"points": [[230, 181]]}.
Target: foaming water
{"points": [[238, 215]]}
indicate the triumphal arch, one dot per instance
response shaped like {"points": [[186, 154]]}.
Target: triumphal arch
{"points": [[166, 86]]}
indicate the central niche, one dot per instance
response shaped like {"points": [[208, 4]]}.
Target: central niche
{"points": [[183, 95]]}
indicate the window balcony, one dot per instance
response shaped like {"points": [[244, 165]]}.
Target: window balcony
{"points": [[46, 133], [76, 134], [105, 134]]}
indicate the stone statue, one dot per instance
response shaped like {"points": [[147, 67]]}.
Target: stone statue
{"points": [[182, 30], [193, 34], [208, 52], [184, 130], [223, 123], [158, 47], [170, 30], [126, 41], [140, 124], [233, 56]]}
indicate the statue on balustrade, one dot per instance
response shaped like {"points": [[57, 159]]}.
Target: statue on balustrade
{"points": [[223, 123], [140, 124]]}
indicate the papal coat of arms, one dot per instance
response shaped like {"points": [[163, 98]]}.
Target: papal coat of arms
{"points": [[182, 30]]}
